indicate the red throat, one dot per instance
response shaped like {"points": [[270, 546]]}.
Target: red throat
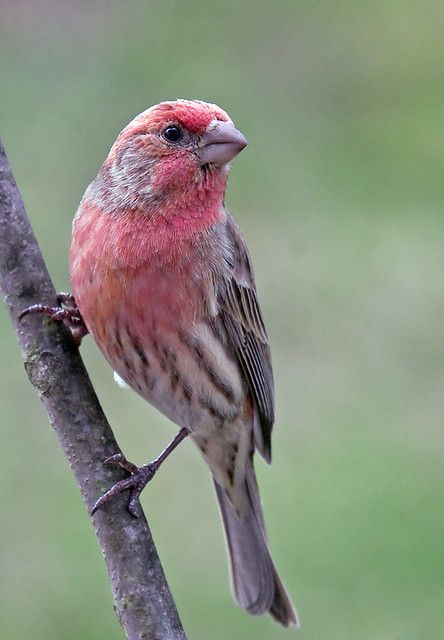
{"points": [[130, 237], [194, 199]]}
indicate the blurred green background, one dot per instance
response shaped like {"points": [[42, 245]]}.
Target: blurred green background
{"points": [[340, 195]]}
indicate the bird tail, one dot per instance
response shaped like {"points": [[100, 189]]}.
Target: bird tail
{"points": [[256, 583]]}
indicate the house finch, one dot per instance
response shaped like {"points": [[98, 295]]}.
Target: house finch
{"points": [[163, 281]]}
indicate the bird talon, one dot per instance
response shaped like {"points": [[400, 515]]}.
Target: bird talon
{"points": [[117, 458], [117, 488], [67, 314], [139, 478], [120, 460], [67, 300]]}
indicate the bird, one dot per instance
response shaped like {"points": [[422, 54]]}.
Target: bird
{"points": [[162, 279]]}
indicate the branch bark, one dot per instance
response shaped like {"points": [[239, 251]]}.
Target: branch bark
{"points": [[143, 601]]}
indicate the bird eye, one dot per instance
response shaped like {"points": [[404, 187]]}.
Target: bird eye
{"points": [[172, 133]]}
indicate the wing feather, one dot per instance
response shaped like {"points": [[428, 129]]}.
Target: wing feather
{"points": [[242, 318]]}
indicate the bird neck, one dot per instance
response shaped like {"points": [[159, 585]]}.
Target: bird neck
{"points": [[133, 232], [186, 206]]}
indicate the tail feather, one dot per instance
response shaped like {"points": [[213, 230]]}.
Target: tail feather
{"points": [[282, 608], [256, 583]]}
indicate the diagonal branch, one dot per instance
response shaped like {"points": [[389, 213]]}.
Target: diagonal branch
{"points": [[142, 598]]}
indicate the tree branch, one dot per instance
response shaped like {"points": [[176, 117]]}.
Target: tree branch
{"points": [[143, 602]]}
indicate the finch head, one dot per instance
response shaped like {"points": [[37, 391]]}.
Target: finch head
{"points": [[171, 156]]}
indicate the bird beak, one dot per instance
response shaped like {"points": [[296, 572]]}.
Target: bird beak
{"points": [[220, 143]]}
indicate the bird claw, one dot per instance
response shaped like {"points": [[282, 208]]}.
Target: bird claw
{"points": [[67, 313], [68, 300], [120, 460], [140, 476]]}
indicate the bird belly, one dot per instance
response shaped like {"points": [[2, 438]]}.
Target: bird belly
{"points": [[187, 378], [154, 334]]}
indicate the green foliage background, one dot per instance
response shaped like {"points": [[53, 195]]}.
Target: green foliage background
{"points": [[340, 195]]}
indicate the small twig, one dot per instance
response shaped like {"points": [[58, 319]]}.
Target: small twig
{"points": [[143, 602]]}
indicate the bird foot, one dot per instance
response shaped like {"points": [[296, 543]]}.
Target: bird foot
{"points": [[139, 478], [67, 312]]}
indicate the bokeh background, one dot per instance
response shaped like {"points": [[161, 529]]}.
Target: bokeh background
{"points": [[340, 195]]}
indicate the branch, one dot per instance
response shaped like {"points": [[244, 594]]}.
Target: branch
{"points": [[143, 602]]}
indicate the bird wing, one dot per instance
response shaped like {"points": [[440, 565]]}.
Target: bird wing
{"points": [[241, 316]]}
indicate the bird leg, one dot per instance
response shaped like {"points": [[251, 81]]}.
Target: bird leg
{"points": [[67, 312], [139, 478]]}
